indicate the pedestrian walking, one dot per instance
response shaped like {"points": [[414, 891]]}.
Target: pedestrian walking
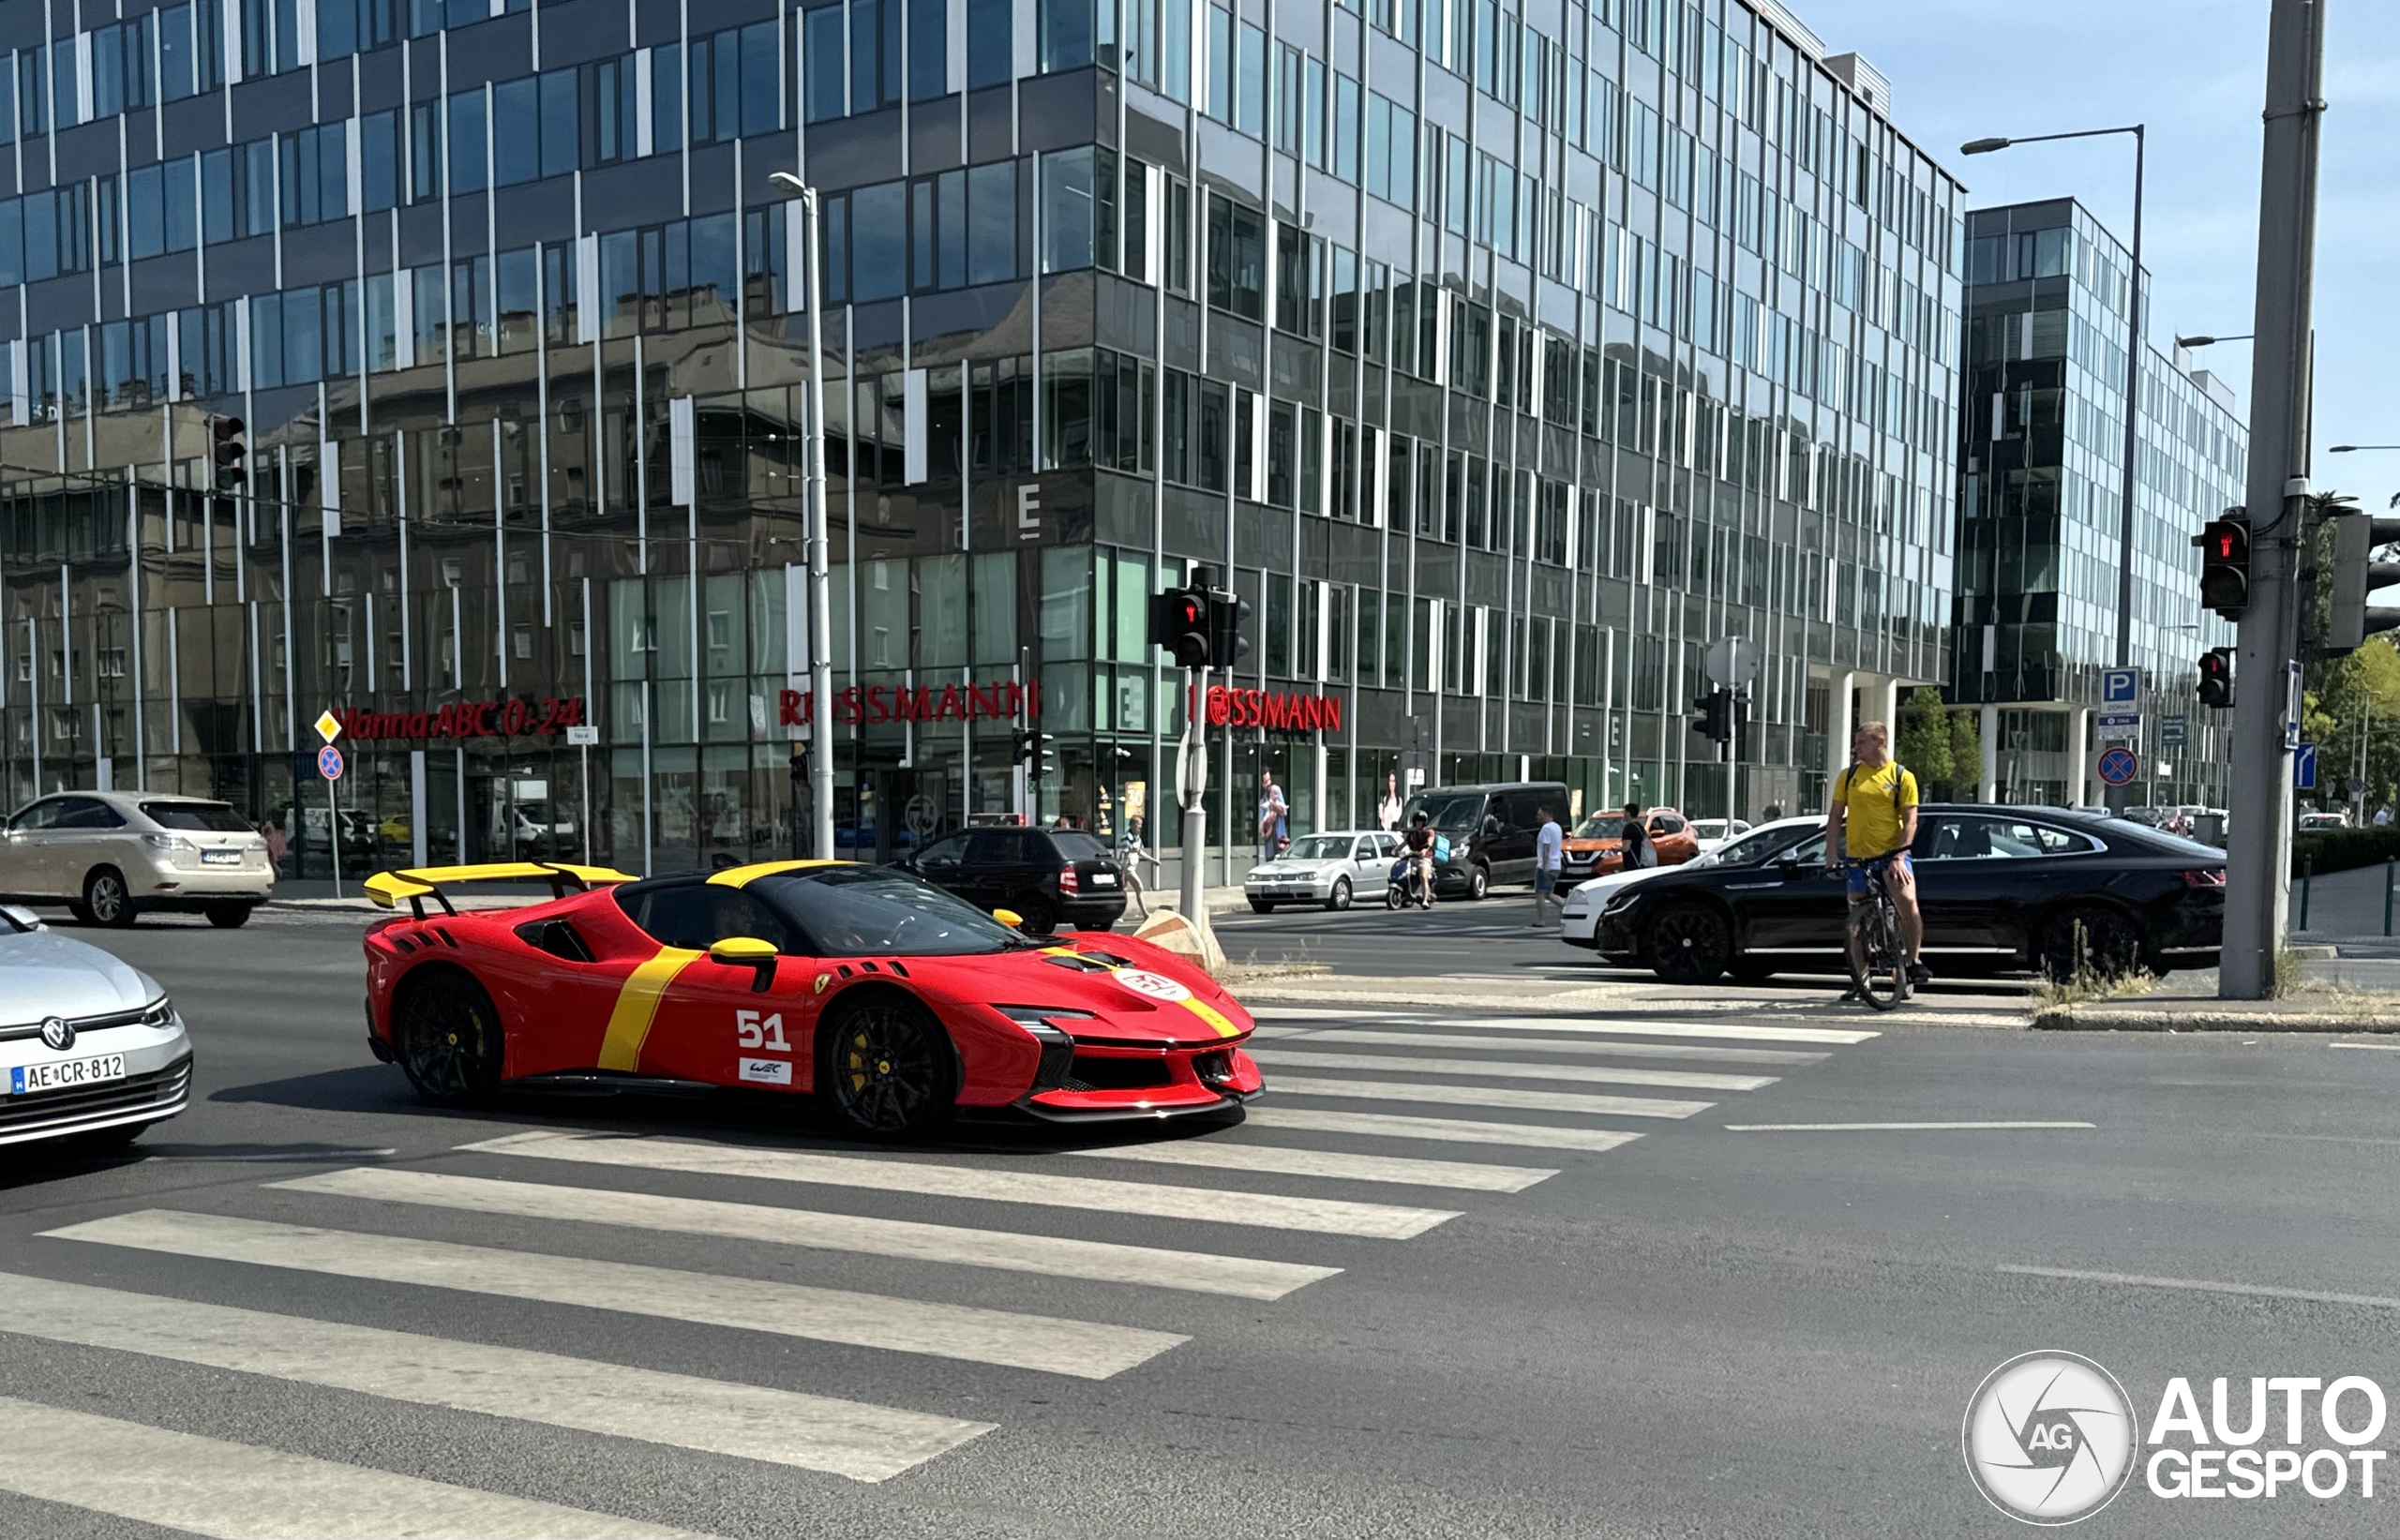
{"points": [[1550, 853], [1273, 814], [276, 842], [1635, 848], [2383, 817]]}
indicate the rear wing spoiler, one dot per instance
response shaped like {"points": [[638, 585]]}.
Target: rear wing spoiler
{"points": [[388, 889]]}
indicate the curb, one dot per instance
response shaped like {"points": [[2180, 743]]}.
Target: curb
{"points": [[2207, 1021]]}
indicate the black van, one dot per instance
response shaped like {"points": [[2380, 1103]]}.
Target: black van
{"points": [[1490, 828]]}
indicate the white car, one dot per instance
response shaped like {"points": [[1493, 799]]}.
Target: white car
{"points": [[110, 856], [1326, 869], [1712, 833], [90, 1048], [1579, 919]]}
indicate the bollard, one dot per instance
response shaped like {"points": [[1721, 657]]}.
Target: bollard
{"points": [[2307, 870], [2390, 865]]}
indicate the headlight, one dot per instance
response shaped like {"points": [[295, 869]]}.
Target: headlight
{"points": [[159, 1012], [1039, 1016], [1622, 899]]}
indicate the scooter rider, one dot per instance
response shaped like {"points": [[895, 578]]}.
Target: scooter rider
{"points": [[1419, 841]]}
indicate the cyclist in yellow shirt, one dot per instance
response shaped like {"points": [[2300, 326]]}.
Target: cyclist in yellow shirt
{"points": [[1871, 817]]}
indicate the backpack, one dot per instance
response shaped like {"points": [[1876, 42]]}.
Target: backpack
{"points": [[1440, 849], [1900, 771]]}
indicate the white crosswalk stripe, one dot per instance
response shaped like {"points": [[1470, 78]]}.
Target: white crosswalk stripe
{"points": [[1221, 1155], [1448, 1130], [237, 1491], [1107, 1262], [1056, 1345], [1585, 1046], [1645, 1027], [1489, 1095], [1326, 1216], [1584, 1075], [816, 1432]]}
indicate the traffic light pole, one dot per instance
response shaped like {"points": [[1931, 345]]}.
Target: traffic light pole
{"points": [[2259, 833], [1193, 778]]}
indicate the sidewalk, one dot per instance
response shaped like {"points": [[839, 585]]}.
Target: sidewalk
{"points": [[2335, 995]]}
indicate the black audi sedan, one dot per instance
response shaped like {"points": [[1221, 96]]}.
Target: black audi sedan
{"points": [[2000, 888]]}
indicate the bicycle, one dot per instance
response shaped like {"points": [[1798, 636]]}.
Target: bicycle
{"points": [[1879, 969]]}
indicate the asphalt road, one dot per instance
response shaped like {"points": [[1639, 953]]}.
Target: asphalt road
{"points": [[1709, 1329]]}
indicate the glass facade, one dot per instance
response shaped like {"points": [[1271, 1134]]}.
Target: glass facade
{"points": [[443, 366], [2041, 511]]}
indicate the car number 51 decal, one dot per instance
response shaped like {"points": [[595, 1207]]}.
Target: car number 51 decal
{"points": [[764, 1032]]}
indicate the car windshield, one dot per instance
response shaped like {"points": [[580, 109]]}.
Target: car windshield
{"points": [[1600, 826], [853, 911], [1318, 847], [1075, 845], [2176, 844], [1451, 814], [1708, 829], [200, 817], [1757, 845]]}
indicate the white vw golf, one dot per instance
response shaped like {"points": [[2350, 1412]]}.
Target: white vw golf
{"points": [[1328, 869], [90, 1048]]}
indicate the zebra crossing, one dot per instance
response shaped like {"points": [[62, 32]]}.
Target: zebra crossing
{"points": [[1369, 1116]]}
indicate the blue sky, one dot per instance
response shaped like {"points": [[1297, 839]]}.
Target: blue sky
{"points": [[2195, 71]]}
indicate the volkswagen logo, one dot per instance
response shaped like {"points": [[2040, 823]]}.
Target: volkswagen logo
{"points": [[2050, 1438], [58, 1033]]}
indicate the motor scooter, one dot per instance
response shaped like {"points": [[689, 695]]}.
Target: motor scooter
{"points": [[1401, 890]]}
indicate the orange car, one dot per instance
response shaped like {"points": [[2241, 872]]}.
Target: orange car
{"points": [[1593, 851]]}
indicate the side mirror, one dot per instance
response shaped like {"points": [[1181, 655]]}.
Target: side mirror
{"points": [[1491, 824], [1010, 918], [1789, 866], [22, 918], [739, 951]]}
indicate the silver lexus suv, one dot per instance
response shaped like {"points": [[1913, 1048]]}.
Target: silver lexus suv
{"points": [[110, 856]]}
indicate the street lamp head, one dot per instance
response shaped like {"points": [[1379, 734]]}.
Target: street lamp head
{"points": [[789, 183], [2193, 341], [1982, 146], [2343, 449]]}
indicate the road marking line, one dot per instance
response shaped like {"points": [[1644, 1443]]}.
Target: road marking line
{"points": [[1723, 1030], [2263, 1291], [1051, 1344], [238, 1492], [1528, 1045], [1488, 1096], [854, 1439], [1450, 1129], [1325, 1216], [1107, 1262], [1214, 1155], [1855, 1128], [1685, 1080], [2378, 1047]]}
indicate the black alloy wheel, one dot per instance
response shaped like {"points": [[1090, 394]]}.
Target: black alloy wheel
{"points": [[105, 900], [1035, 915], [1478, 880], [1689, 944], [887, 1068], [2094, 940], [446, 1035], [1341, 899]]}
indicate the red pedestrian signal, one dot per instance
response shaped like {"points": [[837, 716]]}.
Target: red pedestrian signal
{"points": [[2216, 678], [2225, 565]]}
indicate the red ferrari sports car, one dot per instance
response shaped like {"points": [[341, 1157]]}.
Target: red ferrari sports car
{"points": [[894, 1001]]}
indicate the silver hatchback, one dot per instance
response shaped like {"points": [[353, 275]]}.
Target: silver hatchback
{"points": [[90, 1048], [112, 855]]}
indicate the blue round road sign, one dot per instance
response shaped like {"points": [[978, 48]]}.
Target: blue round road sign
{"points": [[2118, 766], [329, 762]]}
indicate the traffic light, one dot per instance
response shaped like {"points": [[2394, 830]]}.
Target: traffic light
{"points": [[1226, 644], [1715, 719], [1179, 624], [1032, 750], [2355, 572], [2216, 678], [229, 451], [2225, 564]]}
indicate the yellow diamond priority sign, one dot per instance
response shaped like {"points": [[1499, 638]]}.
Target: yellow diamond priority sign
{"points": [[327, 727]]}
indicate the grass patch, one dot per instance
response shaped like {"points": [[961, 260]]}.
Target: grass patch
{"points": [[1261, 973], [2088, 987]]}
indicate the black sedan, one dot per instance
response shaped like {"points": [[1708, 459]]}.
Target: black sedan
{"points": [[1049, 877], [2001, 888]]}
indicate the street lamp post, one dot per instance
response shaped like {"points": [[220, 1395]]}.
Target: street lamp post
{"points": [[2133, 389], [820, 559]]}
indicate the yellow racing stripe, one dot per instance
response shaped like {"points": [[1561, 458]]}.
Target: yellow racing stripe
{"points": [[638, 1007], [1211, 1014]]}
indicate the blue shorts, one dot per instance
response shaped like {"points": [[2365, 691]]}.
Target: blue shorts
{"points": [[1855, 876], [1546, 881]]}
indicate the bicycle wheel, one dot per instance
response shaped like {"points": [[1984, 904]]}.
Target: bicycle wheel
{"points": [[1876, 969]]}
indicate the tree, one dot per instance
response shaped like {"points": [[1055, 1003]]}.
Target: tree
{"points": [[1966, 750], [1923, 741], [2349, 699]]}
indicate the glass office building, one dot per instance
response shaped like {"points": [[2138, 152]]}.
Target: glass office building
{"points": [[2041, 517], [443, 367]]}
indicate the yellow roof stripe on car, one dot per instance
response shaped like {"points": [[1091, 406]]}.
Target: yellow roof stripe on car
{"points": [[742, 876], [638, 1007]]}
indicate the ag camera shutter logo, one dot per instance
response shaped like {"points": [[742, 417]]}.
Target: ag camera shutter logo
{"points": [[2050, 1437]]}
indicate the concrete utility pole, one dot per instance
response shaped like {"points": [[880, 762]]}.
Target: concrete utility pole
{"points": [[1191, 767], [2259, 833]]}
